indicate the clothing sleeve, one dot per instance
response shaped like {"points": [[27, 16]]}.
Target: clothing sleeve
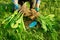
{"points": [[38, 1]]}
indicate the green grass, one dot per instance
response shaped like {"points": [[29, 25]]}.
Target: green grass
{"points": [[50, 25]]}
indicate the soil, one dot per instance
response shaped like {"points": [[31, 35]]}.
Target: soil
{"points": [[30, 13]]}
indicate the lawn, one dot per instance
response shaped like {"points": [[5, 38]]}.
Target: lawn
{"points": [[48, 27]]}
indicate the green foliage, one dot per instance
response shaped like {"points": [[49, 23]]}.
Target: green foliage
{"points": [[14, 21], [12, 24], [46, 21]]}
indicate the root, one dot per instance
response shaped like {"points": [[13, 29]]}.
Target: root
{"points": [[32, 14]]}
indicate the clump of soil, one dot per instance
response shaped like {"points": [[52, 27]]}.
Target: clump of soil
{"points": [[25, 10], [32, 14]]}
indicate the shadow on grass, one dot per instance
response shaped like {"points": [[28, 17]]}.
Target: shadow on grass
{"points": [[5, 8]]}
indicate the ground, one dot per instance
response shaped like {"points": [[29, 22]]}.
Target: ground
{"points": [[47, 7]]}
